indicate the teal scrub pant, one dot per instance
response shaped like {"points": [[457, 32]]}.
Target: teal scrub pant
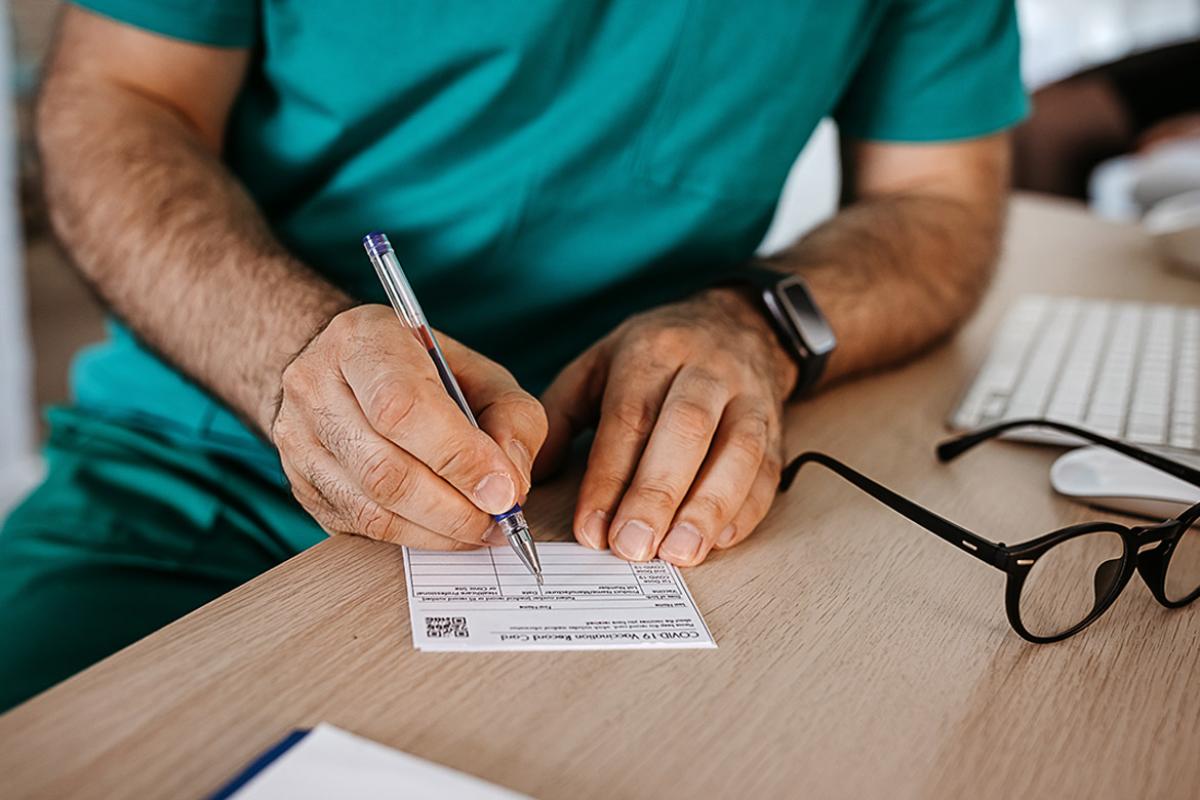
{"points": [[127, 533]]}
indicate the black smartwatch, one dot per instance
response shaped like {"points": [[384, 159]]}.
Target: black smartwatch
{"points": [[800, 325]]}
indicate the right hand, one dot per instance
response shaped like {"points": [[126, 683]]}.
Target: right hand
{"points": [[372, 443]]}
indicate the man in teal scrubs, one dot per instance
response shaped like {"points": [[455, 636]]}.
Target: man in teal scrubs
{"points": [[565, 182]]}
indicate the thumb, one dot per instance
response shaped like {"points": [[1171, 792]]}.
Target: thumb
{"points": [[570, 403]]}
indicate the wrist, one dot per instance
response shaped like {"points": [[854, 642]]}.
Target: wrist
{"points": [[301, 334], [741, 304], [783, 299]]}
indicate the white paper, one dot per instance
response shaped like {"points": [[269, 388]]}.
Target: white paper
{"points": [[592, 600], [330, 762]]}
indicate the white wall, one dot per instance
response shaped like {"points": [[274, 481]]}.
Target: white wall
{"points": [[811, 192], [1062, 37]]}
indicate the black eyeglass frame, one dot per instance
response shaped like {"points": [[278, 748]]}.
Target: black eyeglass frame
{"points": [[1016, 561]]}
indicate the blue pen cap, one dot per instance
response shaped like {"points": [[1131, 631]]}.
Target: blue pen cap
{"points": [[376, 244]]}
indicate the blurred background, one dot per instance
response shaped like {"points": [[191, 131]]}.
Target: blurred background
{"points": [[1115, 125]]}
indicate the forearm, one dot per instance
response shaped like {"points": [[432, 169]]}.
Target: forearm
{"points": [[174, 245], [895, 275], [899, 269]]}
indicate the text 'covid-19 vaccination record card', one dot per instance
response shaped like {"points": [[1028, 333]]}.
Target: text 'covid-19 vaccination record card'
{"points": [[591, 600]]}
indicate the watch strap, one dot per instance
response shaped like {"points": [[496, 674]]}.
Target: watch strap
{"points": [[769, 288]]}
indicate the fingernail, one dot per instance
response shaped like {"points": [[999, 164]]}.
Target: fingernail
{"points": [[496, 493], [681, 544], [634, 540], [726, 537], [519, 454], [594, 528], [495, 536]]}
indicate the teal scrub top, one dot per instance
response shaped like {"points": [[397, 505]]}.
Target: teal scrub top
{"points": [[545, 168]]}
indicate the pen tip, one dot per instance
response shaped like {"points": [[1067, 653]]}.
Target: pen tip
{"points": [[540, 580]]}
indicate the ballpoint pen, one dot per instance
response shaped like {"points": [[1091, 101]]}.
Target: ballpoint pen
{"points": [[404, 301]]}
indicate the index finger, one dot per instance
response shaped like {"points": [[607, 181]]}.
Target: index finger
{"points": [[511, 416], [628, 413], [673, 454], [399, 391]]}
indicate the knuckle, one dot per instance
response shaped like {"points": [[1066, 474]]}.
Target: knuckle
{"points": [[526, 411], [689, 419], [340, 327], [656, 493], [515, 399], [468, 521], [749, 441], [457, 459], [671, 339], [297, 380], [714, 506], [640, 352], [325, 488], [750, 447], [292, 375], [537, 423], [705, 381], [756, 420], [373, 522], [650, 362], [307, 497], [727, 359], [359, 326], [335, 430], [392, 406], [365, 520], [326, 337], [636, 415], [284, 429], [609, 485], [385, 480]]}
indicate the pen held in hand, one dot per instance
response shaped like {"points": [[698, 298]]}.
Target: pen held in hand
{"points": [[404, 301]]}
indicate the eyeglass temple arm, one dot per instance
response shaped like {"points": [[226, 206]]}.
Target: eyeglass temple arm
{"points": [[953, 448], [971, 543]]}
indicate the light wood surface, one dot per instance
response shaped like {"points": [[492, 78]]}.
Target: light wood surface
{"points": [[858, 656]]}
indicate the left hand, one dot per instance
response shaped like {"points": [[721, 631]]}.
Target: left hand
{"points": [[688, 449]]}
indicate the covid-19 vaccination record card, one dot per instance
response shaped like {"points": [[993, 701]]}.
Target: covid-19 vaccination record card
{"points": [[591, 600]]}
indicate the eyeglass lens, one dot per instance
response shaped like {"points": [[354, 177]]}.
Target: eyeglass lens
{"points": [[1183, 570], [1069, 581]]}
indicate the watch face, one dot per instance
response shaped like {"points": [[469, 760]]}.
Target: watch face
{"points": [[803, 312]]}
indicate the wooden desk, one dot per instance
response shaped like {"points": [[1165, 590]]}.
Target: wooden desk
{"points": [[859, 656]]}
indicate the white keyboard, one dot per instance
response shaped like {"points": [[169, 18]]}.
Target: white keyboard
{"points": [[1126, 370]]}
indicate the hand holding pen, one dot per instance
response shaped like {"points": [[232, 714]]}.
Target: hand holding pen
{"points": [[373, 445], [512, 520]]}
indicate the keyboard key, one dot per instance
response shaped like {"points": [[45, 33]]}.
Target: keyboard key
{"points": [[994, 407], [1182, 442], [1120, 368]]}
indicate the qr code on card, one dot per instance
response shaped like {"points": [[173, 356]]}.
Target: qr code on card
{"points": [[444, 627]]}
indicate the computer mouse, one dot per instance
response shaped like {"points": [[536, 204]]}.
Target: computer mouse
{"points": [[1174, 224], [1104, 478]]}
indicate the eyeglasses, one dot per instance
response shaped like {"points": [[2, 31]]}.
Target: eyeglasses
{"points": [[1060, 583]]}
